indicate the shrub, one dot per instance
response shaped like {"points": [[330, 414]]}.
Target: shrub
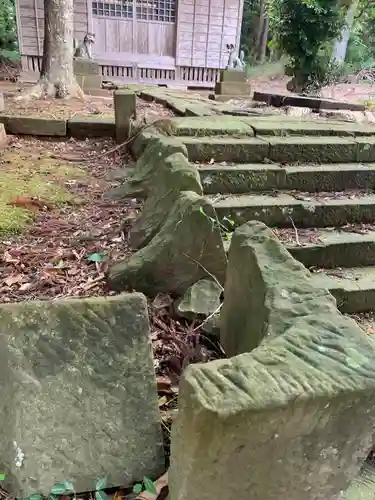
{"points": [[303, 29]]}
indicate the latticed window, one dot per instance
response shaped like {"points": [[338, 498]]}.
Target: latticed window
{"points": [[157, 10], [113, 8], [148, 10]]}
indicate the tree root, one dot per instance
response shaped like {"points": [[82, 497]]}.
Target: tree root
{"points": [[46, 88]]}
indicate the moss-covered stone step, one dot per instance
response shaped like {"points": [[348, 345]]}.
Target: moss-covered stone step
{"points": [[317, 149], [274, 126], [244, 178], [336, 248], [353, 288], [283, 210]]}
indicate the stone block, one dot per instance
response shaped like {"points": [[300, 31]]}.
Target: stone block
{"points": [[201, 299], [91, 126], [29, 125], [232, 76], [153, 156], [187, 247], [366, 149], [125, 104], [3, 136], [313, 149], [233, 88], [87, 82], [78, 394], [210, 125], [85, 67], [174, 174], [229, 97], [294, 417], [2, 103]]}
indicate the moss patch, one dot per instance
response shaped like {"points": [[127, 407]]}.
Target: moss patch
{"points": [[27, 175]]}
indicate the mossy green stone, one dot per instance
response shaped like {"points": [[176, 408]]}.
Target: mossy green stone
{"points": [[78, 394]]}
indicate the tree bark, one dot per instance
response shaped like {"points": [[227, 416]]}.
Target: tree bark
{"points": [[57, 77], [264, 41], [260, 28]]}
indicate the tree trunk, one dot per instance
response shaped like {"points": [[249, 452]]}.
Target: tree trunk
{"points": [[57, 76], [260, 28], [341, 44], [264, 41]]}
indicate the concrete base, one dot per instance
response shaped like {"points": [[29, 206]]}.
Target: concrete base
{"points": [[232, 76], [233, 88], [89, 81]]}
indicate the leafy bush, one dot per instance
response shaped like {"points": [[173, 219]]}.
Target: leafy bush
{"points": [[8, 31], [303, 29]]}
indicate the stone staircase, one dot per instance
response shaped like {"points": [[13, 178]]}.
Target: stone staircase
{"points": [[312, 182]]}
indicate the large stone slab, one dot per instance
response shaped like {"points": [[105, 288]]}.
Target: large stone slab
{"points": [[294, 417], [187, 248], [78, 394], [30, 125], [81, 126], [158, 148], [175, 174]]}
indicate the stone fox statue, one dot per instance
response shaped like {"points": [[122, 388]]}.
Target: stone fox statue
{"points": [[234, 62], [84, 49]]}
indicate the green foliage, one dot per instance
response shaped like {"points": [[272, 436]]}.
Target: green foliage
{"points": [[303, 30], [146, 485], [8, 31]]}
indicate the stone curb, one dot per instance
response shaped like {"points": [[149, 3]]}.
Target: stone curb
{"points": [[78, 126]]}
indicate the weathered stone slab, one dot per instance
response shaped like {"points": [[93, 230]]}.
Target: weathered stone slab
{"points": [[201, 299], [78, 394], [147, 166], [84, 66], [29, 125], [204, 126], [304, 211], [249, 149], [289, 406], [87, 82], [125, 105], [187, 246], [86, 126], [233, 88], [313, 149], [366, 149], [363, 486], [279, 100], [2, 104], [174, 174], [230, 75]]}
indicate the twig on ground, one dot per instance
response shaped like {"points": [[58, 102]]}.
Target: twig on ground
{"points": [[208, 317], [205, 270], [295, 232]]}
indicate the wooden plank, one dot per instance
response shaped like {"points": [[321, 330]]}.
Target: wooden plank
{"points": [[126, 37], [90, 22]]}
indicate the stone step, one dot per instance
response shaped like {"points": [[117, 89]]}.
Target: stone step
{"points": [[353, 288], [284, 210], [244, 178], [329, 249], [275, 126], [293, 149]]}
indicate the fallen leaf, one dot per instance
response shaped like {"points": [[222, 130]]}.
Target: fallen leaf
{"points": [[96, 257], [7, 257], [30, 203], [24, 287], [12, 280], [370, 331], [162, 401]]}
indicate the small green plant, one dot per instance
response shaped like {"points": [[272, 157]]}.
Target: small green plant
{"points": [[146, 485], [2, 477], [99, 487], [226, 227]]}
